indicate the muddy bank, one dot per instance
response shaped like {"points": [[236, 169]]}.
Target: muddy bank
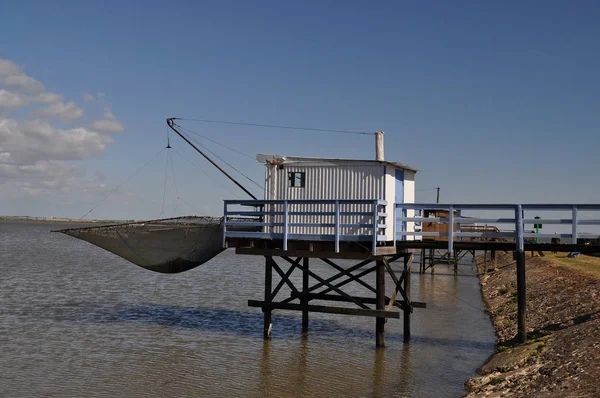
{"points": [[562, 356]]}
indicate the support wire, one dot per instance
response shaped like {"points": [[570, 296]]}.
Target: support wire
{"points": [[123, 183]]}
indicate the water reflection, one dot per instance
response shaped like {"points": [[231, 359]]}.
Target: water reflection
{"points": [[265, 370]]}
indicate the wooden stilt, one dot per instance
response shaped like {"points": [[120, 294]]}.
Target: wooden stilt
{"points": [[422, 262], [380, 297], [333, 292], [454, 257], [521, 304], [432, 260], [268, 285], [407, 305], [305, 299]]}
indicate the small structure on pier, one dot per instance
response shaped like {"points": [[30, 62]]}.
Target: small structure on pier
{"points": [[330, 209], [303, 178]]}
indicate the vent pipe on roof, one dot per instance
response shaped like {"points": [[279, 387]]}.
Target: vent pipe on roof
{"points": [[379, 146]]}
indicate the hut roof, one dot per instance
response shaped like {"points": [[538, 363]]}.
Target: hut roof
{"points": [[298, 160]]}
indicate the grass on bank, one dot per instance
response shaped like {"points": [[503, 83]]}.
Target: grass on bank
{"points": [[588, 264]]}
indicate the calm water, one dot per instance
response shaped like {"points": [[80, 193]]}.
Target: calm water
{"points": [[77, 321]]}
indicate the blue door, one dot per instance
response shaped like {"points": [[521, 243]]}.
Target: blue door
{"points": [[400, 226]]}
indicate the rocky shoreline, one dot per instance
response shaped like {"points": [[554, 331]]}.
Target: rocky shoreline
{"points": [[562, 355]]}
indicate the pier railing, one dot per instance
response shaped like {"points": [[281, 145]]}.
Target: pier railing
{"points": [[518, 221], [308, 220]]}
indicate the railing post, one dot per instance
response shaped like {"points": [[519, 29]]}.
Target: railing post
{"points": [[459, 215], [224, 224], [375, 218], [519, 228], [285, 225], [404, 223], [337, 226], [574, 226], [394, 218], [450, 230], [387, 220]]}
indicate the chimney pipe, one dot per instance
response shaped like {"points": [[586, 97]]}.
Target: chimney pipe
{"points": [[379, 146]]}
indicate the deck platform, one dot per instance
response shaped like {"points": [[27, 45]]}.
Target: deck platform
{"points": [[376, 235]]}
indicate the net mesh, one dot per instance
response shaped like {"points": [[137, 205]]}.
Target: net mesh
{"points": [[168, 245]]}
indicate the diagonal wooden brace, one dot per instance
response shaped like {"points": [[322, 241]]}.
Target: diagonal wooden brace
{"points": [[339, 291], [398, 282], [285, 278], [331, 279], [349, 275]]}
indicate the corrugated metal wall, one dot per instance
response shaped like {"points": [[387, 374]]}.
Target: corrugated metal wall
{"points": [[330, 182]]}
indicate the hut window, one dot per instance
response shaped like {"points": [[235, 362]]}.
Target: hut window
{"points": [[296, 179]]}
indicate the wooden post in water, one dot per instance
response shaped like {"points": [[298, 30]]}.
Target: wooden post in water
{"points": [[304, 290], [521, 297], [380, 299], [406, 287], [455, 261], [432, 259], [268, 286], [422, 262]]}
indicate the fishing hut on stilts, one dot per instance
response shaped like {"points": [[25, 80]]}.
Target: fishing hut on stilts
{"points": [[329, 209], [341, 209]]}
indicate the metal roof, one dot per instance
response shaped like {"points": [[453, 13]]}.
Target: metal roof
{"points": [[262, 158]]}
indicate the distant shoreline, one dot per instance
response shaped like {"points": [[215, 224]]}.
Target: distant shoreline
{"points": [[59, 219]]}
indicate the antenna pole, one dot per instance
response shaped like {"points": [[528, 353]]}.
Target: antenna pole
{"points": [[171, 124]]}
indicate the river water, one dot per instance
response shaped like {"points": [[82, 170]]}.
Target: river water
{"points": [[77, 321]]}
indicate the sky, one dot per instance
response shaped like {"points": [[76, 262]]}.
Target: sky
{"points": [[495, 102]]}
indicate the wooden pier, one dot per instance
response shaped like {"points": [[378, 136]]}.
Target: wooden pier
{"points": [[288, 247], [330, 289]]}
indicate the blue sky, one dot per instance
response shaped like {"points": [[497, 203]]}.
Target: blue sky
{"points": [[495, 102]]}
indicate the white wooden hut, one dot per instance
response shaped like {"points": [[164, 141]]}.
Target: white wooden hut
{"points": [[304, 178]]}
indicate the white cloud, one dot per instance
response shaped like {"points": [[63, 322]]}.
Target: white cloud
{"points": [[9, 100], [109, 125], [40, 168], [38, 158], [37, 178], [8, 68], [13, 76], [87, 97], [31, 141], [35, 157], [48, 98], [67, 112], [24, 82], [12, 100]]}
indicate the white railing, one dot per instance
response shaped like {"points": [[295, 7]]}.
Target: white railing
{"points": [[455, 218], [347, 220]]}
